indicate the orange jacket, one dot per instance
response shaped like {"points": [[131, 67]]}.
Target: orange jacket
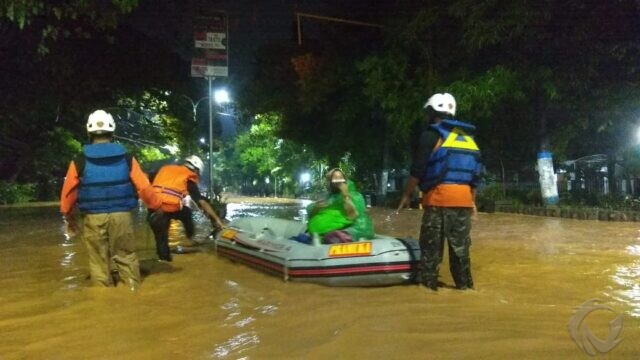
{"points": [[449, 195], [140, 181], [171, 185]]}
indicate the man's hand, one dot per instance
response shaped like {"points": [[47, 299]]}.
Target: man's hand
{"points": [[474, 213], [217, 224], [405, 201], [408, 191], [344, 188], [71, 228]]}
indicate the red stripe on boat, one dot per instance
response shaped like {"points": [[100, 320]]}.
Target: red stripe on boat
{"points": [[347, 270]]}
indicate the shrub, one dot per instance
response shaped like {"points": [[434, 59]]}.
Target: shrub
{"points": [[11, 192], [487, 196]]}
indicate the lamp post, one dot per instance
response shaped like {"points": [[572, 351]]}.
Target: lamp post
{"points": [[220, 96], [194, 107], [210, 78]]}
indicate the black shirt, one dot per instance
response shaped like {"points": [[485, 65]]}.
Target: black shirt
{"points": [[194, 192], [422, 149]]}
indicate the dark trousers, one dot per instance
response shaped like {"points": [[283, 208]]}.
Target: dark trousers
{"points": [[451, 224], [159, 224]]}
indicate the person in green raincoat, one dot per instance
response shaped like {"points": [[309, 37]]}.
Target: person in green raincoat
{"points": [[342, 210]]}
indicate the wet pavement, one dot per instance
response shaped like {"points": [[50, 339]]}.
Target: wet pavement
{"points": [[530, 273]]}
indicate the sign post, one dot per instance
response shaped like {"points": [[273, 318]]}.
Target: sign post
{"points": [[210, 60]]}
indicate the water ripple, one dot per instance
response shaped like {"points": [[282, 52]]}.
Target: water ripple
{"points": [[236, 344]]}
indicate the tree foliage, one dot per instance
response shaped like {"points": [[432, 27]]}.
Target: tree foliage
{"points": [[529, 74], [42, 95], [260, 153], [64, 19]]}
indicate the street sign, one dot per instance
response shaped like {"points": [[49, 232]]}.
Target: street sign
{"points": [[210, 35]]}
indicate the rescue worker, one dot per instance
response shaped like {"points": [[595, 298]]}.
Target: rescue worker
{"points": [[446, 165], [103, 183], [177, 186]]}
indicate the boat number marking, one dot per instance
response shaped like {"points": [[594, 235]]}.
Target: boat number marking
{"points": [[353, 249], [228, 234]]}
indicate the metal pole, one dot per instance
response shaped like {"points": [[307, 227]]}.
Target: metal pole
{"points": [[299, 29], [344, 21], [210, 139], [300, 15]]}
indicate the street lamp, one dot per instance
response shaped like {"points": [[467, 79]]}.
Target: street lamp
{"points": [[220, 96], [305, 177]]}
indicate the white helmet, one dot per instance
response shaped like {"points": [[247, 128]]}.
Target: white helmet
{"points": [[194, 163], [444, 103], [100, 122]]}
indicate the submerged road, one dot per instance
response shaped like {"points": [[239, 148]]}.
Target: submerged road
{"points": [[530, 273]]}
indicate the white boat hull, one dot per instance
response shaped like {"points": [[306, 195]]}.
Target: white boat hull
{"points": [[266, 244]]}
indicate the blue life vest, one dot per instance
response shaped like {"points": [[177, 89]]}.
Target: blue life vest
{"points": [[456, 160], [105, 185]]}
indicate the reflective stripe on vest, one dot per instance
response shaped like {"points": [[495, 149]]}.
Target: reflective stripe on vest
{"points": [[456, 160], [165, 190], [105, 184]]}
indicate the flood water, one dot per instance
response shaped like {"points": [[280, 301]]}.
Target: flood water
{"points": [[529, 272]]}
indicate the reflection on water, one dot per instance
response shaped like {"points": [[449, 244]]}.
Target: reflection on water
{"points": [[237, 345], [530, 273], [628, 276], [289, 210]]}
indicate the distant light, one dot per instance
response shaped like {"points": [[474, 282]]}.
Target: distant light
{"points": [[305, 177], [221, 96], [201, 140], [266, 180]]}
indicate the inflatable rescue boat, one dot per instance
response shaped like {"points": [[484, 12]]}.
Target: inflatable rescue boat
{"points": [[269, 244]]}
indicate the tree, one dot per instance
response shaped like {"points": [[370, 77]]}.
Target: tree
{"points": [[262, 153], [78, 74], [64, 19], [534, 69]]}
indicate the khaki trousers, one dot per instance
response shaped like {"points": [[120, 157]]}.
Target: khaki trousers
{"points": [[111, 246]]}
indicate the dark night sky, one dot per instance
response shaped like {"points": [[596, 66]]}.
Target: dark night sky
{"points": [[252, 24]]}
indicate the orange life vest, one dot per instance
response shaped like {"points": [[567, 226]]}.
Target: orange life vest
{"points": [[171, 184]]}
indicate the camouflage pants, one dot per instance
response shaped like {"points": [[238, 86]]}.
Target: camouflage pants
{"points": [[110, 246], [454, 225]]}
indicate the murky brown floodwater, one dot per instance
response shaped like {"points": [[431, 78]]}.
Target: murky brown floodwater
{"points": [[530, 272]]}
